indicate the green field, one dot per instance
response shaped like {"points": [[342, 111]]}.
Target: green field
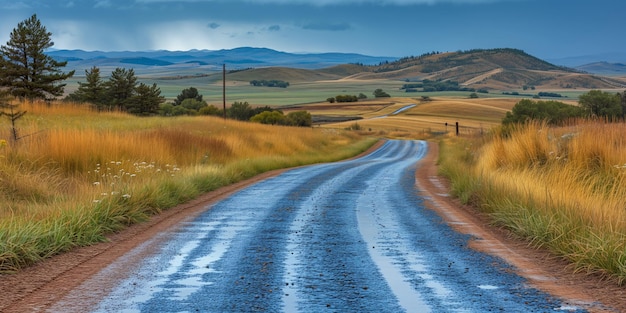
{"points": [[297, 93]]}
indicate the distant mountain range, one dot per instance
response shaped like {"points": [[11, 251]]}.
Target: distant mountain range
{"points": [[239, 58], [248, 57], [605, 68], [606, 63]]}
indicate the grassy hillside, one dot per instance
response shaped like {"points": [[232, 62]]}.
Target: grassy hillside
{"points": [[498, 69]]}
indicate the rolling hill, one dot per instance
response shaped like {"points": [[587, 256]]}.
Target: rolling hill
{"points": [[499, 69], [494, 69]]}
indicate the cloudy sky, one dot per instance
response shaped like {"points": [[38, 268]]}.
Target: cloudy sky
{"points": [[544, 28]]}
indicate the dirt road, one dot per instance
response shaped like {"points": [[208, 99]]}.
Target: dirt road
{"points": [[353, 236]]}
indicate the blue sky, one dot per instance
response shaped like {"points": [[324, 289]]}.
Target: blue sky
{"points": [[544, 28]]}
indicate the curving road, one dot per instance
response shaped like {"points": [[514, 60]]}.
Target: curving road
{"points": [[351, 236]]}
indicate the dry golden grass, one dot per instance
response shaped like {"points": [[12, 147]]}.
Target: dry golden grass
{"points": [[560, 188], [425, 120], [481, 109], [75, 175]]}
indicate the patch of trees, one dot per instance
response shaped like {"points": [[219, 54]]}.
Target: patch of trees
{"points": [[269, 83], [438, 85], [553, 112], [276, 117], [537, 96], [593, 104], [610, 106], [346, 98], [189, 102], [549, 94], [121, 91], [242, 111], [515, 93], [379, 93]]}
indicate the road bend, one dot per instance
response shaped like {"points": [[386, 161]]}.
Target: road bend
{"points": [[351, 236]]}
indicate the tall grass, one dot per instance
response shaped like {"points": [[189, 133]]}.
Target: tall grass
{"points": [[77, 175], [560, 188]]}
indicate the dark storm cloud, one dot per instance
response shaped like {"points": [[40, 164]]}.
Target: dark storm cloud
{"points": [[398, 27]]}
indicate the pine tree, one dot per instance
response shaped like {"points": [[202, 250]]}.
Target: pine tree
{"points": [[146, 100], [27, 71], [121, 87], [91, 91]]}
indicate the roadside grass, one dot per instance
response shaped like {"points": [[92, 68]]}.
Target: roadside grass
{"points": [[76, 175], [562, 189]]}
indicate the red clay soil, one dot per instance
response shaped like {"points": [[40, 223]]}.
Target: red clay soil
{"points": [[38, 287]]}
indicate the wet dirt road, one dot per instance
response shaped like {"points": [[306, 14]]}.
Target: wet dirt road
{"points": [[351, 236]]}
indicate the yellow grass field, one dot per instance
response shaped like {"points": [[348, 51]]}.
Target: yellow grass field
{"points": [[423, 120], [75, 175]]}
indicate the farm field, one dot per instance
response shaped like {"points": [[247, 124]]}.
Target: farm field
{"points": [[300, 90], [421, 119]]}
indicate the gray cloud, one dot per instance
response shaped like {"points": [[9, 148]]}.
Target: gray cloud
{"points": [[327, 26], [274, 28], [214, 25]]}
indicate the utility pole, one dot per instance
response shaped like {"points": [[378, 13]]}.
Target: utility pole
{"points": [[224, 88]]}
